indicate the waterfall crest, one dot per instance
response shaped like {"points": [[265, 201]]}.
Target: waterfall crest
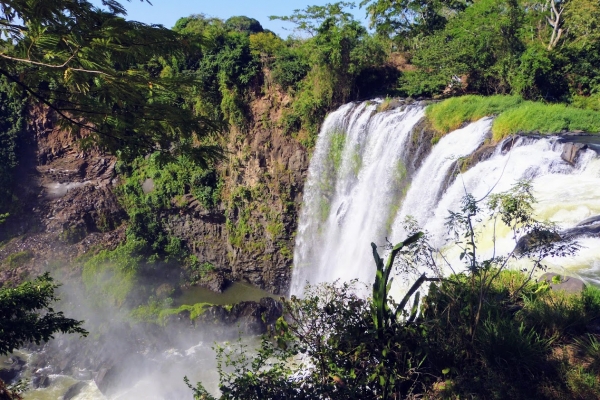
{"points": [[359, 190]]}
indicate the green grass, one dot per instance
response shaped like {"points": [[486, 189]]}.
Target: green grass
{"points": [[450, 114], [514, 115], [544, 119]]}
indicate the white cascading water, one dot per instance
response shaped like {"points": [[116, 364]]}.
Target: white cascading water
{"points": [[337, 246], [346, 206]]}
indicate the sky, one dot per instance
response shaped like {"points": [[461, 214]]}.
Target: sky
{"points": [[167, 12]]}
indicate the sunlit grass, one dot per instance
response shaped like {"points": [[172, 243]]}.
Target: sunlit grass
{"points": [[514, 115]]}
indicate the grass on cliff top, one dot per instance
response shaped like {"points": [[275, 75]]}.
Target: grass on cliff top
{"points": [[515, 115]]}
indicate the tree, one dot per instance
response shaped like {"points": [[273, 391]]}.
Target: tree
{"points": [[244, 24], [88, 65], [403, 19], [27, 316]]}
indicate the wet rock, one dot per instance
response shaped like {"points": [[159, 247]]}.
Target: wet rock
{"points": [[40, 381], [74, 390], [567, 284], [213, 280], [536, 239], [114, 378], [571, 152], [165, 290], [271, 310], [247, 317], [11, 369]]}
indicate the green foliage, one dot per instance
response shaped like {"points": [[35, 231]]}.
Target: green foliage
{"points": [[336, 149], [112, 274], [172, 180], [243, 24], [289, 68], [12, 126], [89, 66], [332, 60], [26, 315], [480, 331], [406, 19], [587, 102]]}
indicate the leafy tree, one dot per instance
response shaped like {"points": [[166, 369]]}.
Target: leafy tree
{"points": [[480, 43], [12, 125], [26, 315], [243, 24], [404, 19], [87, 65]]}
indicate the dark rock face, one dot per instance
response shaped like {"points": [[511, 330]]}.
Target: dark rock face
{"points": [[567, 284]]}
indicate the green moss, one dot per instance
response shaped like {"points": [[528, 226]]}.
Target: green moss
{"points": [[16, 260], [385, 105], [324, 208], [275, 229], [157, 312], [112, 274], [195, 310], [356, 160], [336, 149]]}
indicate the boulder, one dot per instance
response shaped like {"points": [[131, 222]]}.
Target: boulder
{"points": [[571, 152], [40, 381], [74, 390], [247, 317], [568, 284]]}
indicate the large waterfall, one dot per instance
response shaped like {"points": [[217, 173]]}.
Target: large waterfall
{"points": [[360, 189]]}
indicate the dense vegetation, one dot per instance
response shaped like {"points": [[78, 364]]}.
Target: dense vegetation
{"points": [[484, 332]]}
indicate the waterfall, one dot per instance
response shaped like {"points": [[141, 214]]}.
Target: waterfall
{"points": [[356, 175], [358, 190]]}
